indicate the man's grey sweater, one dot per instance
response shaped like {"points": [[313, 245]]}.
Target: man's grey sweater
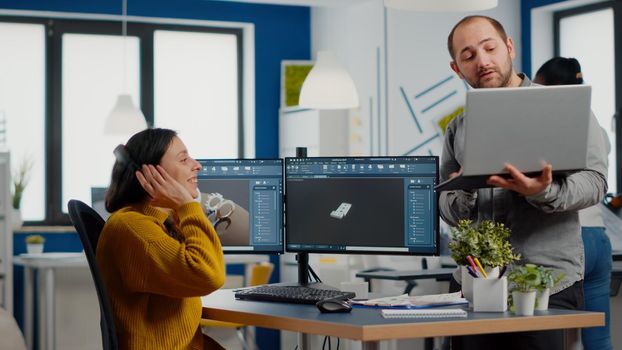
{"points": [[545, 227]]}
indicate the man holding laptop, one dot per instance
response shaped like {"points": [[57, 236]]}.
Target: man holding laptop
{"points": [[541, 209]]}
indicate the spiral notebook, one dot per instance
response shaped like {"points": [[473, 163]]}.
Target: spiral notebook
{"points": [[423, 313]]}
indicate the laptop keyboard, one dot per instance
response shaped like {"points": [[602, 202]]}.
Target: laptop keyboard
{"points": [[291, 294]]}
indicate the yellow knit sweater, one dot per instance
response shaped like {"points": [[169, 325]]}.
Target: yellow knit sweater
{"points": [[154, 281]]}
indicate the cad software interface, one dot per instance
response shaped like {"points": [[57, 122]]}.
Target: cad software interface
{"points": [[362, 205], [243, 198]]}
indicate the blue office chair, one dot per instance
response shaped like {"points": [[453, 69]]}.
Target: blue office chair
{"points": [[89, 225]]}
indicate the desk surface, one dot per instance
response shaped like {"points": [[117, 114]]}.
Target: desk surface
{"points": [[50, 260], [366, 324], [70, 259], [443, 274]]}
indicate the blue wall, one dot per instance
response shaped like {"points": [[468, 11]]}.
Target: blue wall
{"points": [[281, 32], [526, 7]]}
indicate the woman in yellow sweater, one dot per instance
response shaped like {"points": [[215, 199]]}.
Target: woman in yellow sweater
{"points": [[158, 253]]}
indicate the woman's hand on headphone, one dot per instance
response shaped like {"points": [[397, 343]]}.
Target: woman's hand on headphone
{"points": [[165, 191]]}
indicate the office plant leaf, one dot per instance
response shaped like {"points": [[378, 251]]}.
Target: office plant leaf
{"points": [[488, 241]]}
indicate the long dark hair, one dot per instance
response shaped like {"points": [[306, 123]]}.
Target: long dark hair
{"points": [[145, 147], [560, 71]]}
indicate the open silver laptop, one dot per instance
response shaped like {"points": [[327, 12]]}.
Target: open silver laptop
{"points": [[526, 127]]}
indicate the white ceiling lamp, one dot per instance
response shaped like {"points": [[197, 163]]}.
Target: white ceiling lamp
{"points": [[441, 5], [125, 118], [328, 85]]}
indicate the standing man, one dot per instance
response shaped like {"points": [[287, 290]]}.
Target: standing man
{"points": [[541, 211]]}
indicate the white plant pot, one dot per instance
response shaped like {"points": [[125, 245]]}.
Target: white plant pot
{"points": [[524, 303], [542, 297], [467, 281], [34, 248], [16, 219]]}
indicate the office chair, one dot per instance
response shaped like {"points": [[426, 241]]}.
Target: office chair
{"points": [[89, 225], [259, 274]]}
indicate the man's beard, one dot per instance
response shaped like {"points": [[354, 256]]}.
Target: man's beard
{"points": [[506, 76]]}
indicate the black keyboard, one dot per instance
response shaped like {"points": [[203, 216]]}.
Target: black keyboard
{"points": [[291, 294]]}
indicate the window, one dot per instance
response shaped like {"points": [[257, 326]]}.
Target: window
{"points": [[587, 34], [194, 92], [73, 78], [95, 69], [22, 107]]}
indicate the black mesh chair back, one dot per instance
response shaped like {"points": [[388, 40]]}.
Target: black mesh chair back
{"points": [[89, 225]]}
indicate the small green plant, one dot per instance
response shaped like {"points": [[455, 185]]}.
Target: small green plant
{"points": [[488, 241], [524, 278], [548, 278], [530, 277], [20, 180], [35, 239]]}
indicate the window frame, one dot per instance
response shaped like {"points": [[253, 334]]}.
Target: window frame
{"points": [[616, 6], [55, 28]]}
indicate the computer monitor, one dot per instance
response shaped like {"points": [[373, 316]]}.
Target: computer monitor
{"points": [[98, 201], [366, 205], [243, 199]]}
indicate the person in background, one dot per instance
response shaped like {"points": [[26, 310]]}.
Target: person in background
{"points": [[541, 211], [158, 253], [596, 244]]}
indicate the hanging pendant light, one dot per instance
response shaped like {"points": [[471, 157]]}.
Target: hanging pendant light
{"points": [[441, 5], [328, 85], [124, 118]]}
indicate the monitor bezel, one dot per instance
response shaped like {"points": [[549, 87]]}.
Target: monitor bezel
{"points": [[281, 222], [436, 218]]}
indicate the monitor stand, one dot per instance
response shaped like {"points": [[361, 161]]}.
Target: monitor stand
{"points": [[303, 258]]}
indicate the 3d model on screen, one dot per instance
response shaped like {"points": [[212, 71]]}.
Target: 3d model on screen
{"points": [[219, 209], [230, 220], [342, 211]]}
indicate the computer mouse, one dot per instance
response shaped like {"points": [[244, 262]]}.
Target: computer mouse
{"points": [[334, 305]]}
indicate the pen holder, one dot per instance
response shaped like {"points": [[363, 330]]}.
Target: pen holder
{"points": [[490, 294], [467, 281]]}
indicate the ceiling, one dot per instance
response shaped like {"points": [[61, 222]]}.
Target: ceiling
{"points": [[314, 3]]}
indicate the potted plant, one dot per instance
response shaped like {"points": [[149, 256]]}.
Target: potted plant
{"points": [[20, 180], [524, 282], [488, 242], [34, 244], [548, 280]]}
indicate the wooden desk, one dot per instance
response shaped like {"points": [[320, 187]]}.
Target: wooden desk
{"points": [[369, 327]]}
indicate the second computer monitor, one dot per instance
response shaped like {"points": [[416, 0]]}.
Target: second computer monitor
{"points": [[379, 205], [243, 198]]}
